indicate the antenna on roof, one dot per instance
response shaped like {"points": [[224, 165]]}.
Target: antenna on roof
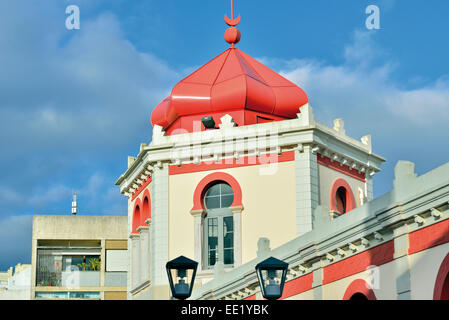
{"points": [[74, 204]]}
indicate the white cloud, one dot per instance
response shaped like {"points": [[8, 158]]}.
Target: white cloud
{"points": [[405, 123], [364, 92]]}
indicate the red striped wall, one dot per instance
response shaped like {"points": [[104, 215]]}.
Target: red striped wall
{"points": [[429, 237], [335, 165], [376, 256]]}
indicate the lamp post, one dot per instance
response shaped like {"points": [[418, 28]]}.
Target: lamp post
{"points": [[181, 275], [271, 274]]}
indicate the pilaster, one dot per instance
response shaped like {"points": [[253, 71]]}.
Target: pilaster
{"points": [[159, 235], [402, 263], [197, 236], [135, 254], [307, 192], [237, 218], [144, 244]]}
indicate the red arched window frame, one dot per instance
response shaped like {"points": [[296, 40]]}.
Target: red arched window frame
{"points": [[441, 290], [359, 286], [350, 202], [210, 179], [146, 207], [136, 215]]}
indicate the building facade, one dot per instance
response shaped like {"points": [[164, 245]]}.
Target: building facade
{"points": [[238, 164], [16, 285], [79, 257]]}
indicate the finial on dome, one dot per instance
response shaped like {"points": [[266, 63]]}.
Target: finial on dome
{"points": [[232, 34]]}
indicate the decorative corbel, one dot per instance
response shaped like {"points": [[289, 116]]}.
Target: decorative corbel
{"points": [[364, 242], [378, 236], [341, 252], [299, 147], [316, 149], [330, 257], [419, 220], [435, 213], [353, 247]]}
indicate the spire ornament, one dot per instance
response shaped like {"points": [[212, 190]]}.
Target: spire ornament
{"points": [[232, 34]]}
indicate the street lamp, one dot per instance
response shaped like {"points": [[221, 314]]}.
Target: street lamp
{"points": [[271, 274], [181, 275]]}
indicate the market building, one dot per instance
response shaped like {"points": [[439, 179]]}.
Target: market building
{"points": [[238, 165]]}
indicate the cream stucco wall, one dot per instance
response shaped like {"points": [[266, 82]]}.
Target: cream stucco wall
{"points": [[424, 267], [327, 178], [384, 286], [267, 201]]}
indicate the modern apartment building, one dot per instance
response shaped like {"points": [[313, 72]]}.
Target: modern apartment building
{"points": [[79, 257]]}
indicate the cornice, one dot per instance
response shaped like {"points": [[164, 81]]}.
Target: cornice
{"points": [[285, 136]]}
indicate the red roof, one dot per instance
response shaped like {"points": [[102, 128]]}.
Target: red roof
{"points": [[232, 81]]}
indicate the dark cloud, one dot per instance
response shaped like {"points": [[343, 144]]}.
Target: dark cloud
{"points": [[15, 237]]}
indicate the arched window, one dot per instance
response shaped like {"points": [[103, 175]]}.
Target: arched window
{"points": [[441, 290], [218, 225], [146, 208], [359, 290], [358, 297], [217, 208], [341, 197], [219, 195], [136, 217]]}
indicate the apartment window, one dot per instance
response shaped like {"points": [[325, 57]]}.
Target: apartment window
{"points": [[67, 267], [218, 226], [67, 295]]}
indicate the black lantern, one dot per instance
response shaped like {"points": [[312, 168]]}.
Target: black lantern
{"points": [[181, 275], [271, 273]]}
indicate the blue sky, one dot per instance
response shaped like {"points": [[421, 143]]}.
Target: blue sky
{"points": [[75, 103]]}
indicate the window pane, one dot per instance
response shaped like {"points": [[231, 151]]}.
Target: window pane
{"points": [[228, 240], [228, 256], [226, 201], [212, 202], [226, 189], [84, 295], [214, 190], [212, 239], [48, 271], [220, 195], [228, 224], [212, 227], [212, 257]]}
